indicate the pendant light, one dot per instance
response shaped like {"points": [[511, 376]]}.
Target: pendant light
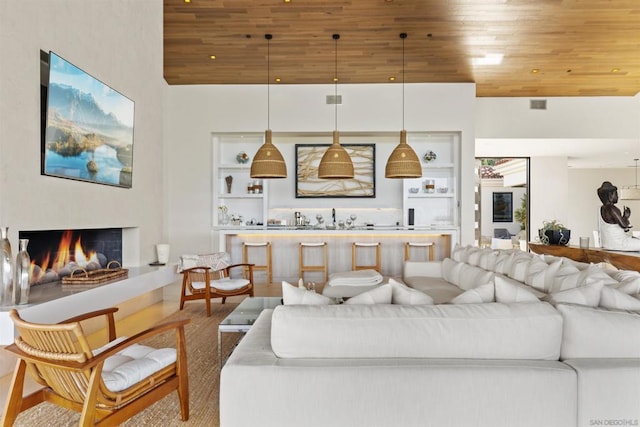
{"points": [[403, 161], [268, 161], [631, 192], [335, 163]]}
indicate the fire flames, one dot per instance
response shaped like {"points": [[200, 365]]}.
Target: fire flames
{"points": [[68, 257]]}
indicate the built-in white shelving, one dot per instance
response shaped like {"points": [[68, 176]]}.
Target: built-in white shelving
{"points": [[440, 207]]}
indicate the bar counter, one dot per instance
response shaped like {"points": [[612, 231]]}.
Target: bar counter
{"points": [[285, 239]]}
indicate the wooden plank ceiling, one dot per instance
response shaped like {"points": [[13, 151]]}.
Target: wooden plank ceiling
{"points": [[549, 47]]}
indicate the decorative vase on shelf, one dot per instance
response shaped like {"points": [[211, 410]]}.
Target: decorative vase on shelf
{"points": [[21, 285], [6, 273], [229, 181], [223, 218], [242, 158]]}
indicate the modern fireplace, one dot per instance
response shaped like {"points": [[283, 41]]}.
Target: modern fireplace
{"points": [[56, 253]]}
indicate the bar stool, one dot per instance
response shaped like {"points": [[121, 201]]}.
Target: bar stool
{"points": [[306, 267], [354, 263], [429, 245], [267, 266]]}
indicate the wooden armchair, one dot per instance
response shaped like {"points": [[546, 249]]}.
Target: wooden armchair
{"points": [[197, 283], [91, 381]]}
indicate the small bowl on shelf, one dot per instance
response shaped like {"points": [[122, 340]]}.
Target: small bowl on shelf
{"points": [[413, 190], [442, 190]]}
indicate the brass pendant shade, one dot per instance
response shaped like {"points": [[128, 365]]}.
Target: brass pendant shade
{"points": [[403, 161], [335, 163], [268, 161]]}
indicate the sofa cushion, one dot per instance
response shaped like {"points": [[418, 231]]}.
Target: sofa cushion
{"points": [[503, 262], [614, 299], [488, 259], [581, 278], [294, 295], [591, 332], [472, 331], [540, 275], [588, 294], [519, 267], [402, 294], [508, 291], [451, 270], [379, 295], [471, 277], [629, 281], [479, 294], [421, 269], [439, 290]]}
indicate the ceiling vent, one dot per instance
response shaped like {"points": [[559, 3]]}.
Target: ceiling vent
{"points": [[334, 99], [538, 104]]}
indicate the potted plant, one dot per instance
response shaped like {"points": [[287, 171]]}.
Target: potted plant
{"points": [[554, 233], [520, 216]]}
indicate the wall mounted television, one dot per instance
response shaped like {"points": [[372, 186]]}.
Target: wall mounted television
{"points": [[87, 127]]}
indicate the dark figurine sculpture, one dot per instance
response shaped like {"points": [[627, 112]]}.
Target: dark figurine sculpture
{"points": [[614, 225]]}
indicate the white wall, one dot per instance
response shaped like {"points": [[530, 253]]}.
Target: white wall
{"points": [[575, 117], [194, 112], [118, 42]]}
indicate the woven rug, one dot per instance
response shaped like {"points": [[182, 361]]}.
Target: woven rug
{"points": [[204, 374]]}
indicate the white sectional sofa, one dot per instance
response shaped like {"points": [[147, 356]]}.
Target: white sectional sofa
{"points": [[528, 363]]}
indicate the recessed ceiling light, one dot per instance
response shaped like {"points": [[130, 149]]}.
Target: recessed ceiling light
{"points": [[392, 78], [488, 59], [615, 70], [287, 1], [535, 71], [277, 79], [335, 79], [212, 57], [187, 1]]}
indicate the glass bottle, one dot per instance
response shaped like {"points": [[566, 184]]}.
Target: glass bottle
{"points": [[6, 273], [21, 286]]}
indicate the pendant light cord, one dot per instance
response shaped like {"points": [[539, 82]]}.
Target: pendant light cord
{"points": [[268, 37], [403, 36], [335, 81]]}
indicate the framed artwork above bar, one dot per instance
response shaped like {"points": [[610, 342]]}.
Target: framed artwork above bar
{"points": [[308, 185]]}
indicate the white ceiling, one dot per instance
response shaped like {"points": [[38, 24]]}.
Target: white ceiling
{"points": [[580, 153]]}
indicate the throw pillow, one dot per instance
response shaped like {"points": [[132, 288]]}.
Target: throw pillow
{"points": [[614, 299], [508, 290], [567, 268], [473, 256], [488, 259], [588, 295], [629, 281], [459, 253], [519, 268], [503, 262], [380, 295], [404, 295], [479, 294], [451, 270], [471, 277], [541, 275], [294, 295]]}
